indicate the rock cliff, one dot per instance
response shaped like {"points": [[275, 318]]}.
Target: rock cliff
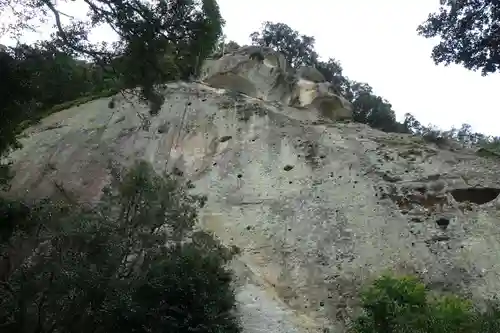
{"points": [[318, 207]]}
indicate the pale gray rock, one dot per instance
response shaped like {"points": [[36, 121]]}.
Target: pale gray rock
{"points": [[264, 73], [319, 208], [310, 73]]}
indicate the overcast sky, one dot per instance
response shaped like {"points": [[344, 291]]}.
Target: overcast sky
{"points": [[376, 42]]}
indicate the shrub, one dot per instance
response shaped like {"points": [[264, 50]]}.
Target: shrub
{"points": [[131, 264], [393, 305], [404, 305]]}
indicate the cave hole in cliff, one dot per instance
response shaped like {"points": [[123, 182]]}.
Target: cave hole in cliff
{"points": [[477, 195], [443, 223]]}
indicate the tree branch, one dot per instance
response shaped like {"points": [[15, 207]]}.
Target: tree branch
{"points": [[64, 36]]}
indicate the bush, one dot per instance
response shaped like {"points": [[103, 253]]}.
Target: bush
{"points": [[131, 264], [404, 305]]}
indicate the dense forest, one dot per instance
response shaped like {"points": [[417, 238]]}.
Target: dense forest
{"points": [[61, 263]]}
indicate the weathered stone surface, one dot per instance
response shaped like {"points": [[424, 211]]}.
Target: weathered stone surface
{"points": [[318, 96], [254, 71], [318, 208], [310, 73], [263, 73]]}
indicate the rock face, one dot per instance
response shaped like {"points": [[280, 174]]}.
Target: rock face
{"points": [[263, 73], [317, 207]]}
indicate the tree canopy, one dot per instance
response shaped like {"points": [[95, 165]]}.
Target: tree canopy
{"points": [[157, 41], [131, 264], [298, 49], [469, 34]]}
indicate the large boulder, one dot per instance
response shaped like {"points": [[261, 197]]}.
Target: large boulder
{"points": [[254, 71], [264, 73]]}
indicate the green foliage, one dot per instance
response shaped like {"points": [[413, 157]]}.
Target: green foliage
{"points": [[203, 299], [391, 305], [468, 32], [404, 305], [157, 41], [332, 71], [55, 77], [297, 49], [372, 109], [14, 106], [131, 264], [167, 42]]}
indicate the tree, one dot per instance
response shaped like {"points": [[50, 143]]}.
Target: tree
{"points": [[404, 304], [332, 71], [157, 41], [372, 109], [224, 47], [469, 33], [297, 49], [133, 264], [15, 105], [54, 76], [412, 124]]}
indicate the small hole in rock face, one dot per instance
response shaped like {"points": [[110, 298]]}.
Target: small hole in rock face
{"points": [[178, 172], [421, 189], [225, 138], [288, 167], [443, 222], [215, 163], [239, 175]]}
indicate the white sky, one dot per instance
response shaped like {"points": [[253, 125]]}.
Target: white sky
{"points": [[376, 42]]}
